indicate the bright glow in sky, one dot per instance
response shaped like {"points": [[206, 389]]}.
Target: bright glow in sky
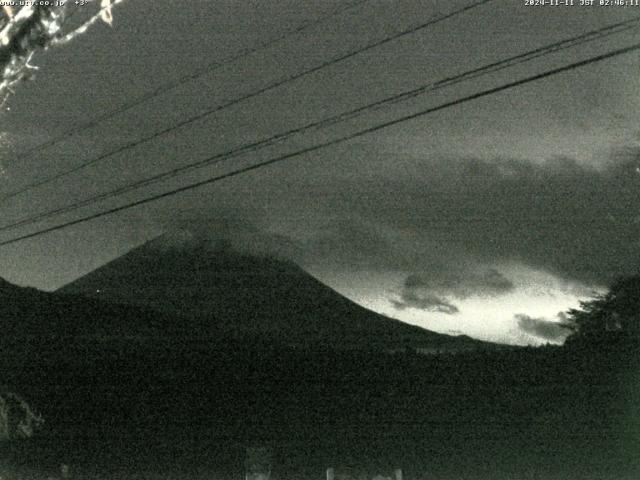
{"points": [[536, 294]]}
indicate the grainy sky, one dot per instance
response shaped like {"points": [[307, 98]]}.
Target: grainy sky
{"points": [[487, 218]]}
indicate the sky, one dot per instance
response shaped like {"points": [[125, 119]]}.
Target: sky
{"points": [[489, 218]]}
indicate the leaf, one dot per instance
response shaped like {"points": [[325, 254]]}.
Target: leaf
{"points": [[105, 12]]}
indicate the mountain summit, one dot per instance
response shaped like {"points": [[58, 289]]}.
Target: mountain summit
{"points": [[227, 291]]}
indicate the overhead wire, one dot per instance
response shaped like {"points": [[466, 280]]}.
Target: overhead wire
{"points": [[208, 69], [332, 120], [255, 93], [491, 91]]}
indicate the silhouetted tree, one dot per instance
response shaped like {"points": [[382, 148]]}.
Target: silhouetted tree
{"points": [[612, 315], [34, 26]]}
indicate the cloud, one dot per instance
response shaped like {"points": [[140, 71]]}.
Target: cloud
{"points": [[444, 214], [348, 242], [433, 291], [226, 231], [423, 301], [579, 223], [552, 331], [460, 283]]}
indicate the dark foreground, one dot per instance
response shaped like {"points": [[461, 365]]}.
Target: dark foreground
{"points": [[187, 409]]}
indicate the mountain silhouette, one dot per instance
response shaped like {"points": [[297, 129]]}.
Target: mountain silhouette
{"points": [[224, 291], [26, 312]]}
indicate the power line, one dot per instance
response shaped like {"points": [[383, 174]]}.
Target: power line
{"points": [[360, 133], [521, 58], [272, 86], [251, 147], [185, 79]]}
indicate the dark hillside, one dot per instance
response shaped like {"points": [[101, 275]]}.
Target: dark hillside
{"points": [[162, 407], [241, 294]]}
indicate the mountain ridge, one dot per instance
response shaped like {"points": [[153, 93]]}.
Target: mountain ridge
{"points": [[244, 293]]}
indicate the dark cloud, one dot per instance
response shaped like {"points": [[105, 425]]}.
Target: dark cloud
{"points": [[434, 291], [423, 301], [577, 222], [451, 223], [461, 283], [552, 331], [348, 242], [564, 217], [227, 231]]}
